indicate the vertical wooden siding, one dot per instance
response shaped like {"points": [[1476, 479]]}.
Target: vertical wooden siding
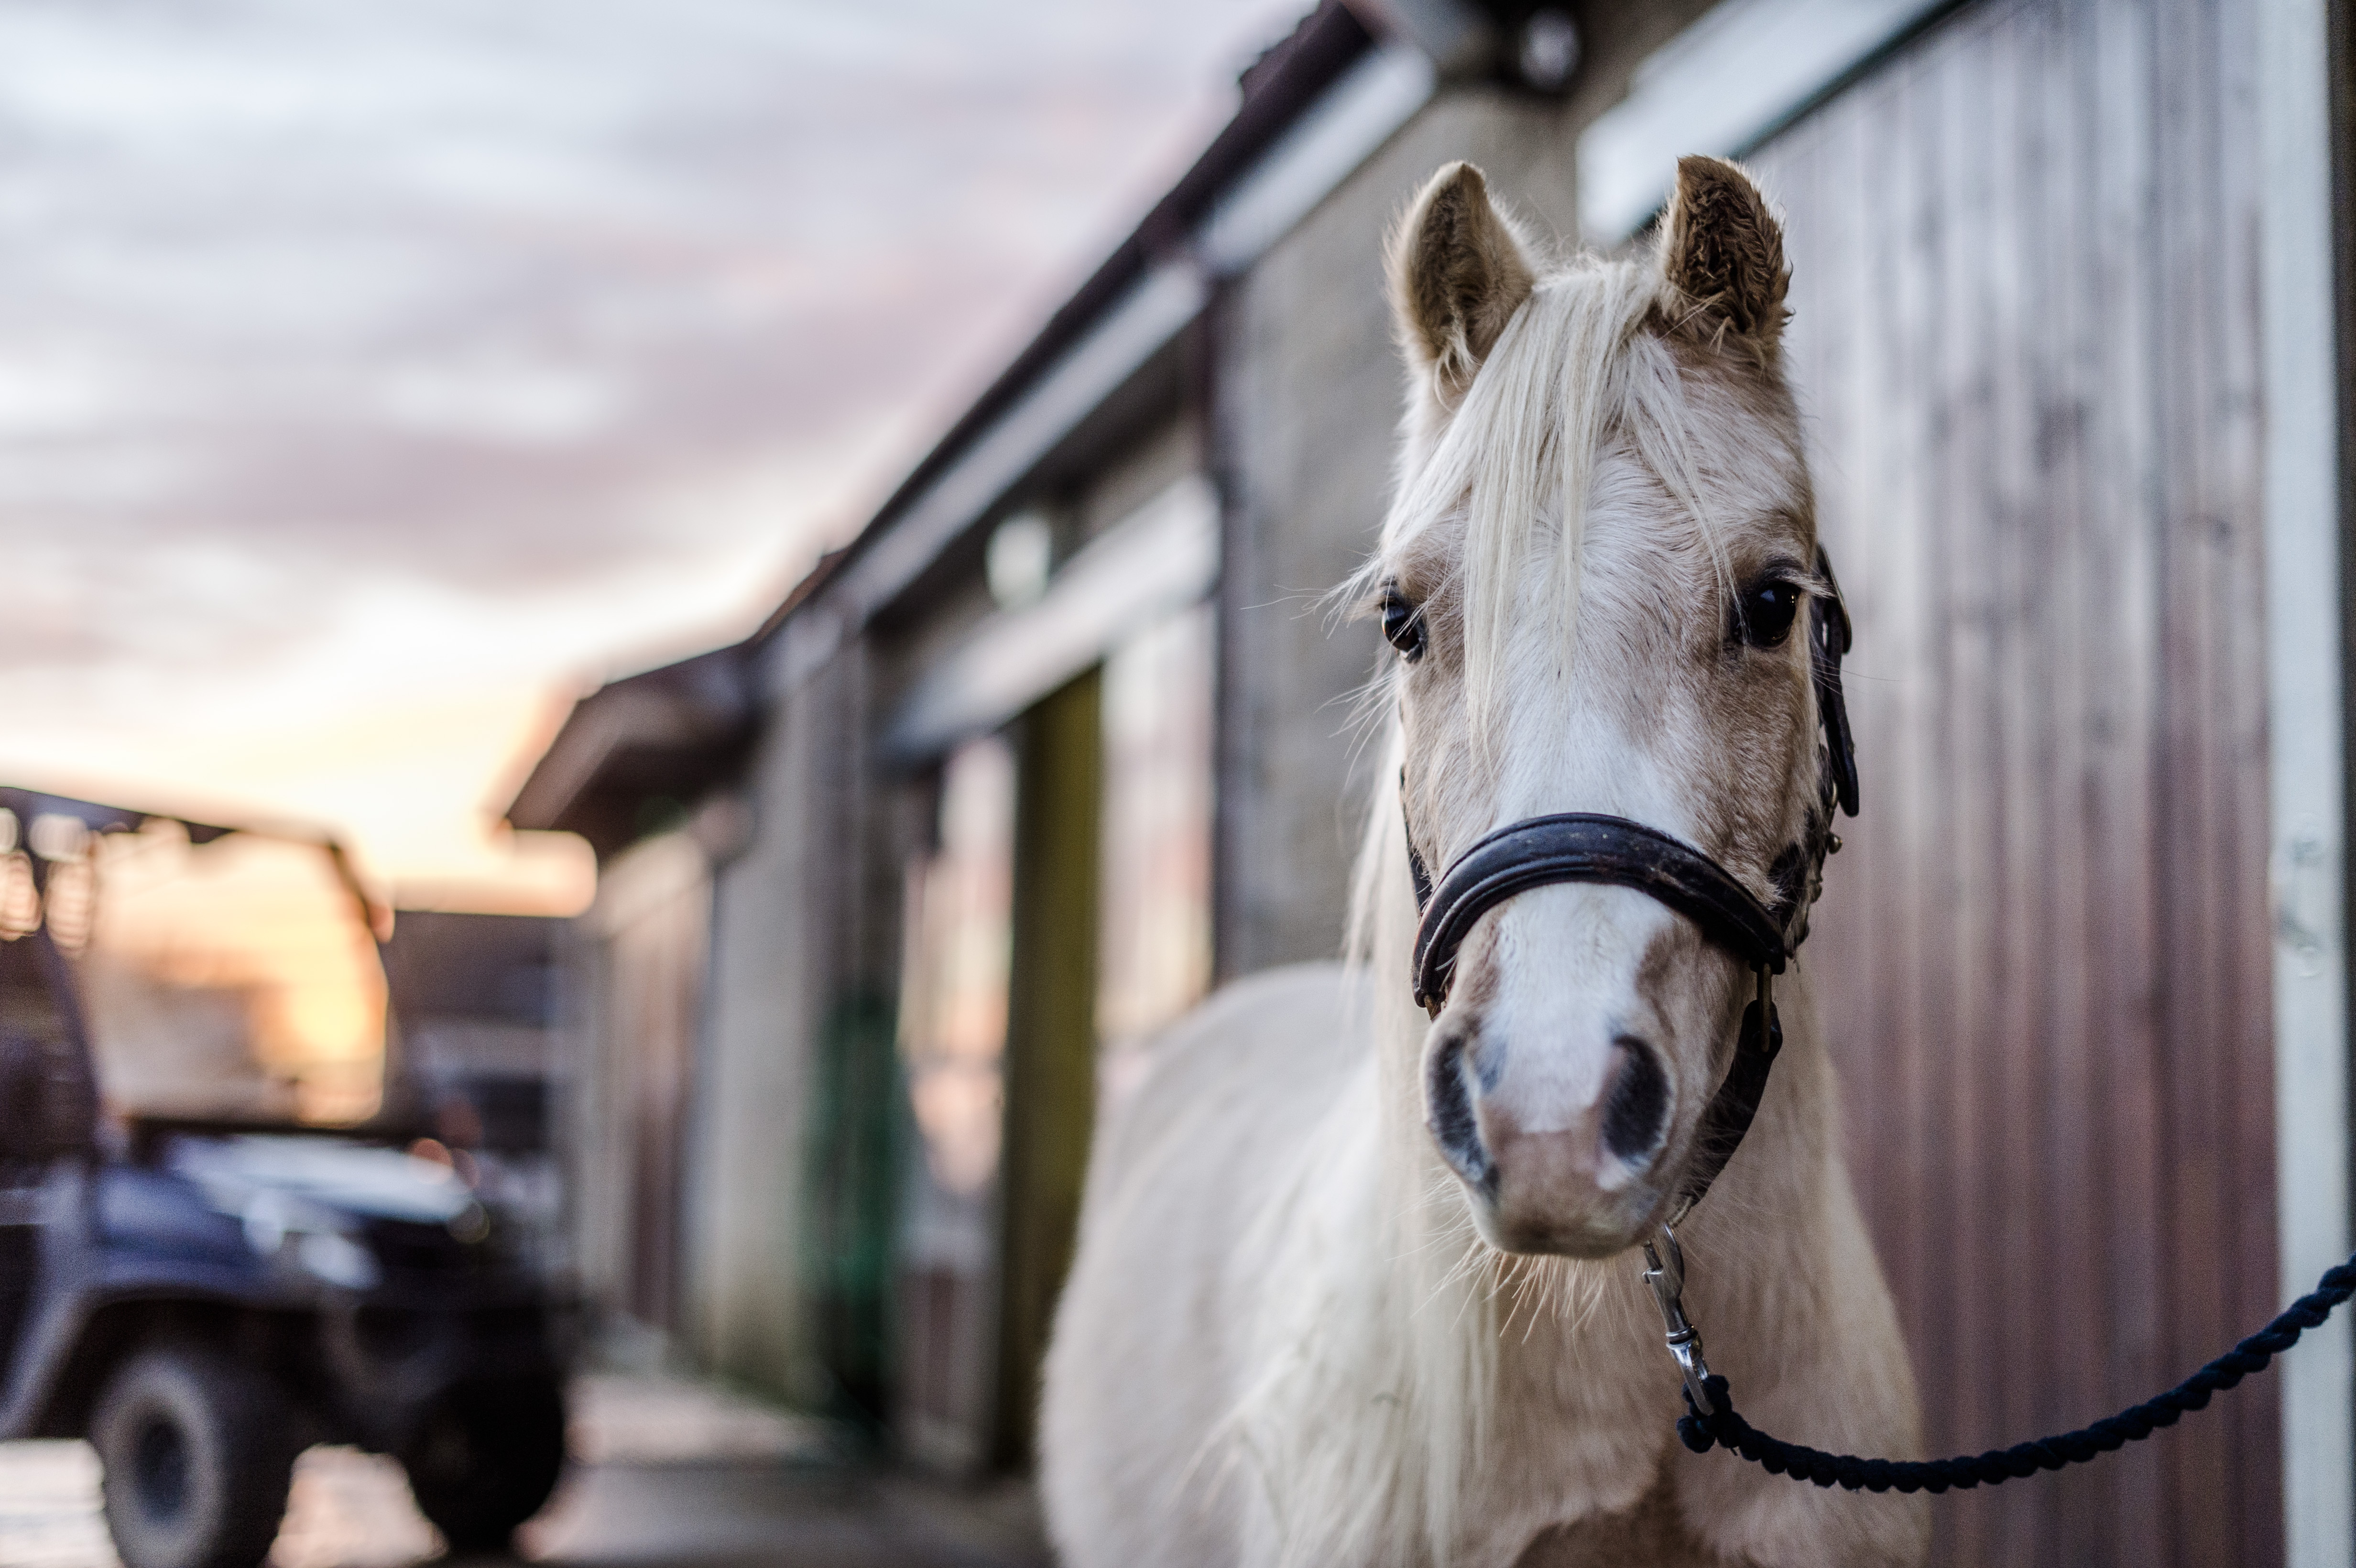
{"points": [[2025, 330]]}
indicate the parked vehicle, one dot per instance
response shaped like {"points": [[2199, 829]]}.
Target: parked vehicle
{"points": [[202, 1297]]}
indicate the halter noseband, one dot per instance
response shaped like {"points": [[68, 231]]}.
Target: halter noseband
{"points": [[1587, 846]]}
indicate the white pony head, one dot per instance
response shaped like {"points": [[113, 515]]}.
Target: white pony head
{"points": [[1597, 574]]}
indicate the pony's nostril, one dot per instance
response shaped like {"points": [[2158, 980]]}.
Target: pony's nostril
{"points": [[1448, 1110], [1636, 1110]]}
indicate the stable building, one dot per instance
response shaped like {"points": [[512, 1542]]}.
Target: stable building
{"points": [[892, 889]]}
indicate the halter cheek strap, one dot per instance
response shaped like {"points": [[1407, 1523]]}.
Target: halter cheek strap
{"points": [[1587, 847]]}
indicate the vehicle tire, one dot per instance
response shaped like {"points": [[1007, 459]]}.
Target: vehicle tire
{"points": [[198, 1453], [485, 1459]]}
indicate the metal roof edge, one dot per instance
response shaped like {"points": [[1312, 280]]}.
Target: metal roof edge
{"points": [[593, 731]]}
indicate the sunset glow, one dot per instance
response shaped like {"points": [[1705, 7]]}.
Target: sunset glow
{"points": [[376, 379], [238, 978]]}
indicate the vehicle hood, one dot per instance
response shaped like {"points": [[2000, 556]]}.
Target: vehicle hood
{"points": [[250, 1173]]}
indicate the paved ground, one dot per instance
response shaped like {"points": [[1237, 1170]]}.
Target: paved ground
{"points": [[668, 1474]]}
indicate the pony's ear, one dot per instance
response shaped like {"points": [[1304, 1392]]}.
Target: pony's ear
{"points": [[1722, 250], [1458, 272]]}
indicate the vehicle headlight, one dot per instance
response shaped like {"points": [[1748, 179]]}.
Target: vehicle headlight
{"points": [[338, 1259], [313, 1238]]}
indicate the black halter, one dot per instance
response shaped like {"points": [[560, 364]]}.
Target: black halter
{"points": [[1585, 847]]}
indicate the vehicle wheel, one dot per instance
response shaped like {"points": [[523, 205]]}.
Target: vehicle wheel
{"points": [[485, 1459], [197, 1454]]}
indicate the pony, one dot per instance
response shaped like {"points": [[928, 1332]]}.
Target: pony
{"points": [[1353, 1283]]}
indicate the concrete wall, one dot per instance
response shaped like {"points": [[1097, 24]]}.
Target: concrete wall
{"points": [[1126, 479], [783, 908], [644, 955], [1307, 394]]}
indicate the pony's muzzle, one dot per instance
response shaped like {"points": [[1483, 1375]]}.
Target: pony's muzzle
{"points": [[1547, 1172]]}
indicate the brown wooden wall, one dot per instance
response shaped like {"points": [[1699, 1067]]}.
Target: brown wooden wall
{"points": [[2026, 330]]}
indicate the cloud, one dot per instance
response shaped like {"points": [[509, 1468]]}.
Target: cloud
{"points": [[591, 318]]}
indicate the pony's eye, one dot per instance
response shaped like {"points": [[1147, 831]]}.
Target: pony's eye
{"points": [[1402, 623], [1766, 613]]}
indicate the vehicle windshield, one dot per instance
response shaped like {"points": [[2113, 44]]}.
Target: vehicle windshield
{"points": [[235, 978]]}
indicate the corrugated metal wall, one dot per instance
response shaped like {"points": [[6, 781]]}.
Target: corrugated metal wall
{"points": [[2026, 331]]}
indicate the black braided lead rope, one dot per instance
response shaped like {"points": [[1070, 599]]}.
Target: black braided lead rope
{"points": [[1726, 1429]]}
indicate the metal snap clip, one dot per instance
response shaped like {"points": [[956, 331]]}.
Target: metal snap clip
{"points": [[1667, 1277]]}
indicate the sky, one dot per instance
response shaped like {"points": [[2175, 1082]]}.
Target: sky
{"points": [[376, 378]]}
